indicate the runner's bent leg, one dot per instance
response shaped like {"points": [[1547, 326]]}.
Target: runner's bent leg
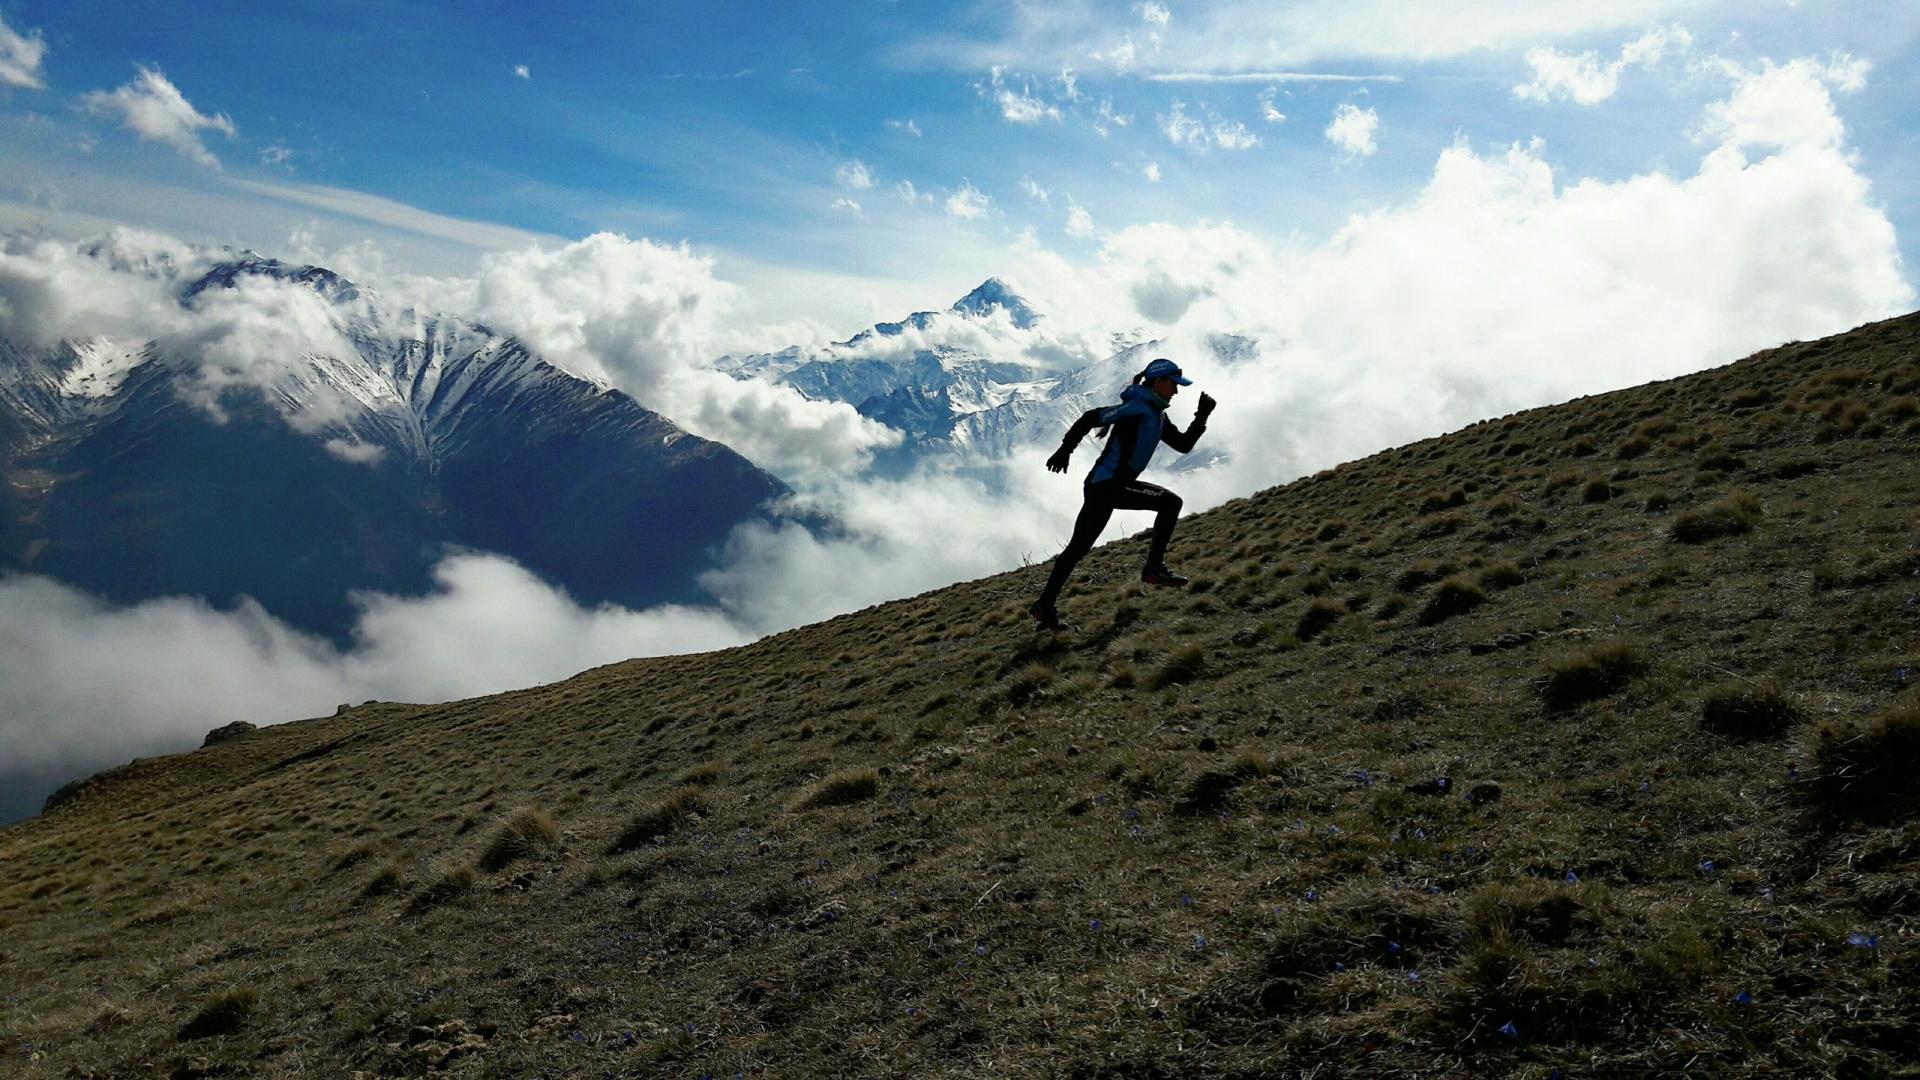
{"points": [[1094, 515]]}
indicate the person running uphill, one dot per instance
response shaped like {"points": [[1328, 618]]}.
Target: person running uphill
{"points": [[1134, 429]]}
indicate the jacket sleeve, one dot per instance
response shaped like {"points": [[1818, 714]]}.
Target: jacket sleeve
{"points": [[1183, 441], [1087, 422]]}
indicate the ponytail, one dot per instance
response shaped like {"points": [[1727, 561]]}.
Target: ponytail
{"points": [[1106, 429]]}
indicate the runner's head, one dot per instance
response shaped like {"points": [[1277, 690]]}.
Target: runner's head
{"points": [[1163, 377]]}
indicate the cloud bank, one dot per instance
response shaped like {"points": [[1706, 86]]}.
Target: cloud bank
{"points": [[88, 683]]}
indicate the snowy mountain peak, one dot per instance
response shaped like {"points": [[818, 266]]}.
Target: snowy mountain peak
{"points": [[994, 293], [328, 284]]}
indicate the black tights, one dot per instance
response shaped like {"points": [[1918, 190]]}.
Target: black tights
{"points": [[1103, 499]]}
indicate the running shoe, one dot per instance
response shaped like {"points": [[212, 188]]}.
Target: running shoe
{"points": [[1158, 574], [1048, 618]]}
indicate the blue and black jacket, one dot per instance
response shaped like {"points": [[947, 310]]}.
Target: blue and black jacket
{"points": [[1137, 426]]}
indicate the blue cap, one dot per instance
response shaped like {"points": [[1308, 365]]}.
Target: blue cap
{"points": [[1164, 368]]}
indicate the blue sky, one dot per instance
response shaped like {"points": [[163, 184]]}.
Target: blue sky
{"points": [[744, 129]]}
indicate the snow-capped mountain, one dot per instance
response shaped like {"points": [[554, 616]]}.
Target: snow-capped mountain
{"points": [[931, 377], [140, 468]]}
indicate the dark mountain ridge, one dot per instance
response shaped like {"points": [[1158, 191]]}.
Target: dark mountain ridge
{"points": [[331, 474]]}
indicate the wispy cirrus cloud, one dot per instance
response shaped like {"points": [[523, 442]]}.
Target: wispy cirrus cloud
{"points": [[1275, 35], [153, 108], [381, 211], [1265, 77], [20, 58], [854, 174]]}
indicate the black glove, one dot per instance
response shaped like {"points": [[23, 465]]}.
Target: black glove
{"points": [[1205, 407], [1058, 462]]}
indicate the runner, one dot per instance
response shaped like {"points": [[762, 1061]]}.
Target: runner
{"points": [[1133, 430]]}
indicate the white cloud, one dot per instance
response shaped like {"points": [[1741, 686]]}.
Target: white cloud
{"points": [[844, 203], [1233, 135], [645, 317], [1181, 129], [906, 125], [153, 108], [521, 71], [1784, 105], [1586, 79], [1079, 222], [855, 175], [277, 156], [359, 453], [1509, 287], [1352, 130], [1018, 107], [1154, 14], [906, 191], [1268, 110], [1581, 77], [1209, 132], [1108, 118], [1151, 172], [121, 286], [1069, 84], [157, 676], [968, 202], [1035, 191], [20, 58], [1121, 57]]}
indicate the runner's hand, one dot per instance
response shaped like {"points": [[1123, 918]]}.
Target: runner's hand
{"points": [[1058, 462], [1206, 405]]}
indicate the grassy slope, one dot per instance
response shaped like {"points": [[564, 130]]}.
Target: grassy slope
{"points": [[1180, 841]]}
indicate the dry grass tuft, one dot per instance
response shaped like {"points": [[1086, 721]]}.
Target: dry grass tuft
{"points": [[527, 830], [1729, 515], [1588, 675], [223, 1014], [1748, 710], [450, 881], [840, 789], [1865, 768], [385, 880], [1320, 615], [1456, 595], [1182, 665], [659, 818]]}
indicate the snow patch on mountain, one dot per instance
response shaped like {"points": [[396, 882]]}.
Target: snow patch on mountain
{"points": [[100, 367]]}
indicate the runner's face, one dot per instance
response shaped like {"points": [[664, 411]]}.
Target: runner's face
{"points": [[1166, 387]]}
